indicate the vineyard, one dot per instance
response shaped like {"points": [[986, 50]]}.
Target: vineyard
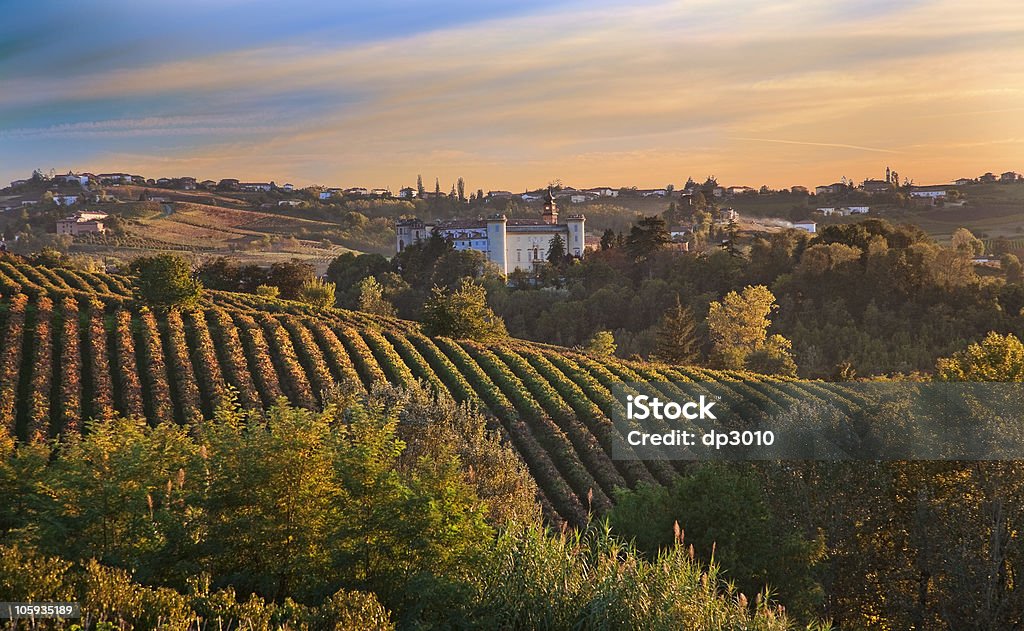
{"points": [[75, 346]]}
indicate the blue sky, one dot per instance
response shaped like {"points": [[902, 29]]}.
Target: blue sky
{"points": [[513, 95]]}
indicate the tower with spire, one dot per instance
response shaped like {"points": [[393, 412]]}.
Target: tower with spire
{"points": [[550, 214]]}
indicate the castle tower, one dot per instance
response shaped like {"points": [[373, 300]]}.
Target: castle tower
{"points": [[496, 241], [574, 243], [550, 214]]}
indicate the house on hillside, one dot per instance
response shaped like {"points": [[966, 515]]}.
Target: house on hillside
{"points": [[406, 192], [806, 226], [964, 181], [73, 178], [187, 183], [834, 188], [288, 187], [876, 186], [256, 187], [1009, 176], [802, 190], [739, 190], [988, 178], [65, 200], [494, 194], [929, 192], [82, 223], [604, 191]]}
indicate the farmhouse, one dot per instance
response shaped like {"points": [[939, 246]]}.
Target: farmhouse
{"points": [[73, 178], [830, 189], [806, 226], [256, 187], [509, 244], [84, 222], [876, 186], [739, 190], [931, 192], [65, 200]]}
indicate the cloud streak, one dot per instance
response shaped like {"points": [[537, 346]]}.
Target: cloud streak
{"points": [[758, 92]]}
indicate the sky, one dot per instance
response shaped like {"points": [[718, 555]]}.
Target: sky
{"points": [[514, 95]]}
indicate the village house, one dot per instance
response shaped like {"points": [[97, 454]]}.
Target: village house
{"points": [[876, 186], [739, 190], [1009, 176], [73, 178], [84, 222], [929, 192], [798, 189], [830, 189], [964, 181], [604, 191], [65, 200], [256, 187], [806, 226], [407, 192]]}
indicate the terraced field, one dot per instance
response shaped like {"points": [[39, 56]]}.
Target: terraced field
{"points": [[75, 345]]}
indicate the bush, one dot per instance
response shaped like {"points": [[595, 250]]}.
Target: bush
{"points": [[317, 292], [166, 280], [268, 291]]}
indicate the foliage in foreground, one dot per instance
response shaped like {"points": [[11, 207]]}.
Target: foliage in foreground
{"points": [[300, 519]]}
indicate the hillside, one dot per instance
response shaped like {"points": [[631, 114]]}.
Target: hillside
{"points": [[76, 346]]}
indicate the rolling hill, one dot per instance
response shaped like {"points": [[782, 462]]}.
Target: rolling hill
{"points": [[75, 345]]}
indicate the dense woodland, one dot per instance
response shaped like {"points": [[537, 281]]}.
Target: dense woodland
{"points": [[856, 299]]}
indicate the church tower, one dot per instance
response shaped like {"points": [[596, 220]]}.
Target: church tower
{"points": [[550, 214]]}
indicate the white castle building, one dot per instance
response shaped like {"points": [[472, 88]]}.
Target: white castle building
{"points": [[508, 243]]}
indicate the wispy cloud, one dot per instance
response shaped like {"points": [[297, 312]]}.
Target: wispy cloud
{"points": [[657, 90], [836, 145]]}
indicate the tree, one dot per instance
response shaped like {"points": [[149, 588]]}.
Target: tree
{"points": [[317, 292], [738, 325], [462, 314], [964, 241], [647, 236], [1013, 271], [774, 357], [166, 280], [461, 189], [678, 342], [607, 239], [601, 344], [289, 277], [556, 250], [419, 186], [996, 358], [371, 298]]}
